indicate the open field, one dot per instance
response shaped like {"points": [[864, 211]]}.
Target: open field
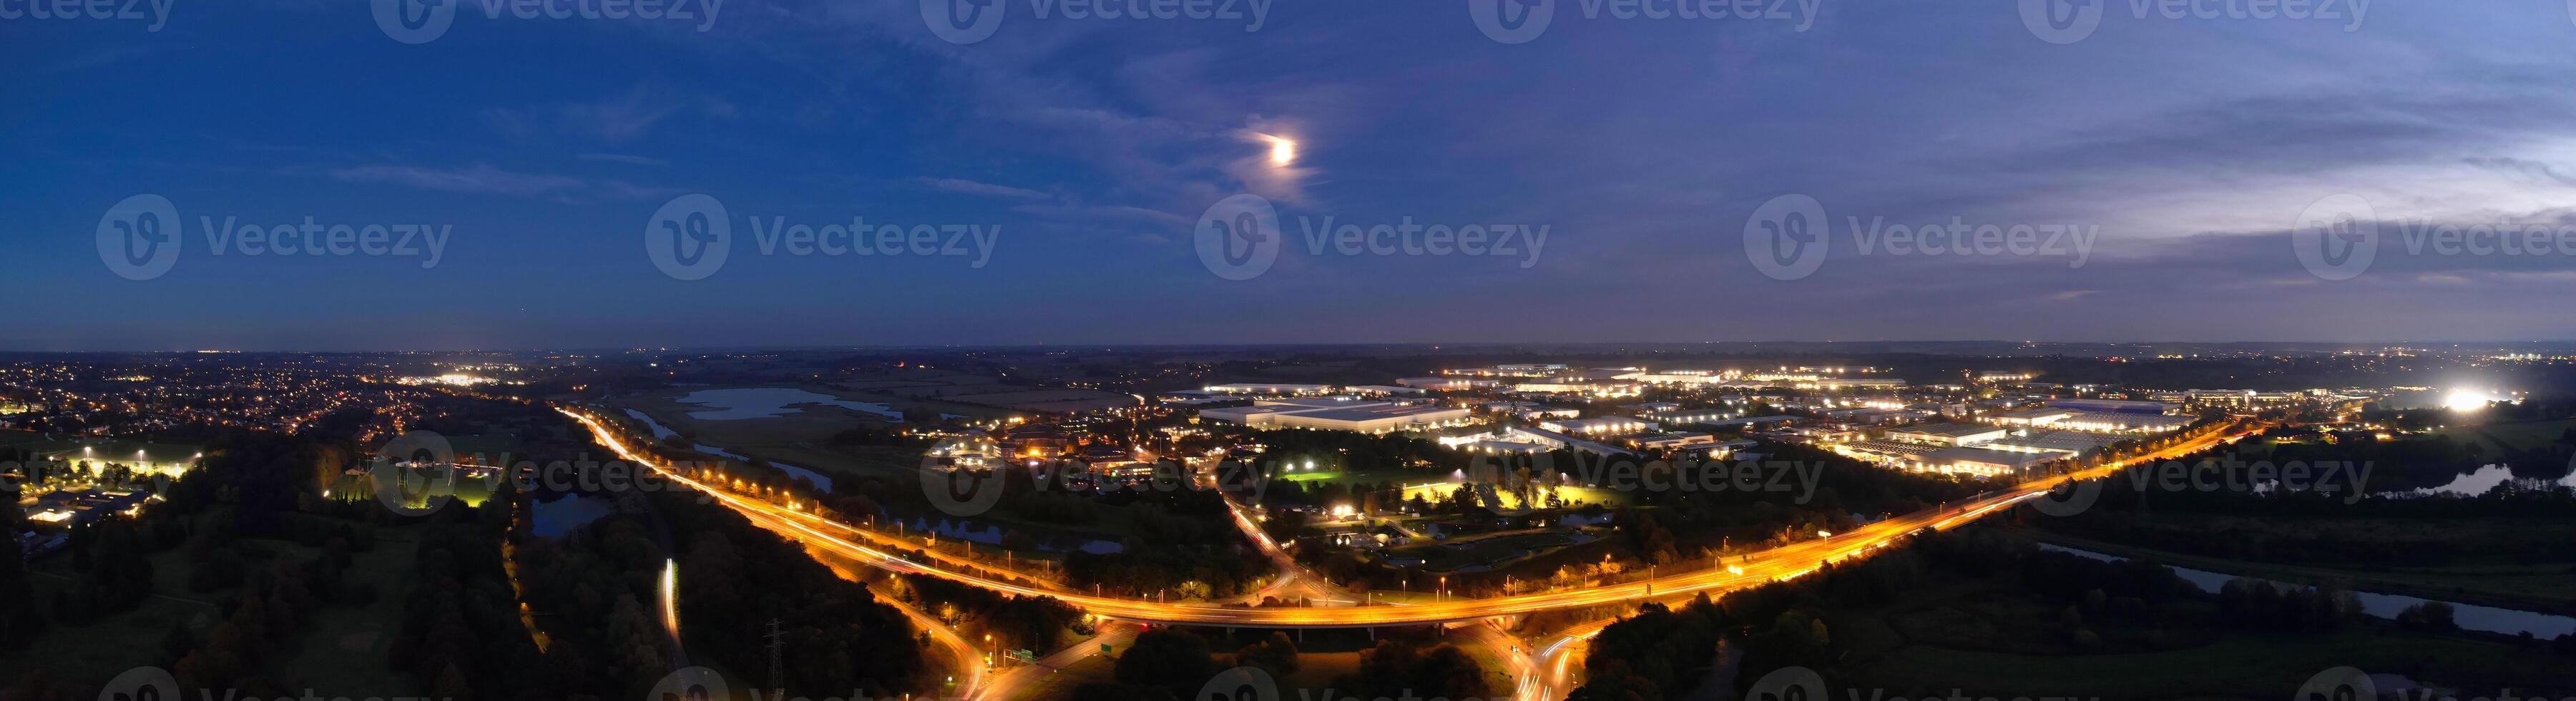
{"points": [[799, 423], [2547, 587], [2501, 438], [344, 647], [1990, 639]]}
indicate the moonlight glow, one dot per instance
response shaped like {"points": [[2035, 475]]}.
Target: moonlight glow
{"points": [[1282, 151]]}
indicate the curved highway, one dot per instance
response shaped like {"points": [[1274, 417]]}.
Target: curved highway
{"points": [[1778, 563]]}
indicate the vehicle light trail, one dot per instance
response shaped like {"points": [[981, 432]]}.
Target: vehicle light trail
{"points": [[1785, 562]]}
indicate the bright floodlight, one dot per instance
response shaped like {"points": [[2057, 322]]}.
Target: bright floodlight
{"points": [[2465, 400]]}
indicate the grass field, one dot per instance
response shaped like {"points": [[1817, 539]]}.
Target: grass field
{"points": [[2502, 438], [1988, 637], [807, 423], [1994, 642], [2549, 587], [1060, 685], [2263, 667], [344, 647]]}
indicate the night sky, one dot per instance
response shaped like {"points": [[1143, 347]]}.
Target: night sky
{"points": [[2188, 150]]}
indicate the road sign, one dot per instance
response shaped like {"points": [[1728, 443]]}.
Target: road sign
{"points": [[1104, 648], [1025, 656]]}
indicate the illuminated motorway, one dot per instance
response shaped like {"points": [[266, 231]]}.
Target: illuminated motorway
{"points": [[1778, 563]]}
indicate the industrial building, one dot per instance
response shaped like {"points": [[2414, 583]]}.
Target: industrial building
{"points": [[1339, 415], [1598, 425], [1291, 389], [1449, 384], [1948, 434], [1985, 462], [2112, 406], [2122, 423]]}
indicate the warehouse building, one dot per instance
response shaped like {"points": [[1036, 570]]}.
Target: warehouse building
{"points": [[1339, 415]]}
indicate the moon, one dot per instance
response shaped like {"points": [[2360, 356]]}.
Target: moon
{"points": [[1282, 151]]}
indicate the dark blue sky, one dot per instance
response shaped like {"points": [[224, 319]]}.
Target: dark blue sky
{"points": [[2185, 150]]}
